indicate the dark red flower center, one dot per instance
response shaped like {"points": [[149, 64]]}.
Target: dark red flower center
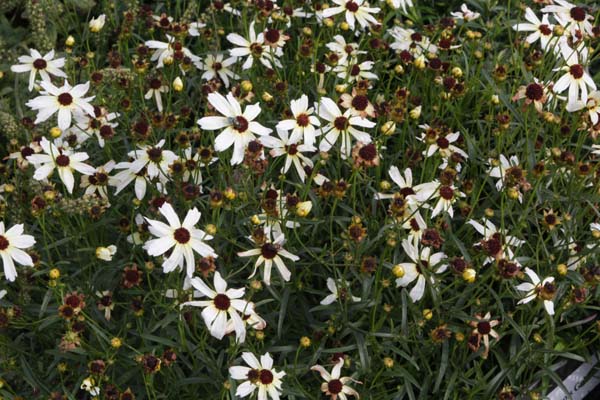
{"points": [[442, 143], [154, 154], [447, 192], [272, 35], [578, 14], [341, 123], [576, 70], [360, 102], [355, 70], [352, 6], [484, 327], [335, 386], [65, 99], [292, 149], [217, 66], [256, 49], [545, 30], [268, 251], [62, 160], [40, 63], [252, 375], [182, 235], [3, 243], [407, 191], [155, 83], [222, 302], [240, 124], [534, 92], [368, 152], [265, 376], [26, 152], [302, 120]]}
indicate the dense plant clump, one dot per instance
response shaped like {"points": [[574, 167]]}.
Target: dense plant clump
{"points": [[297, 199]]}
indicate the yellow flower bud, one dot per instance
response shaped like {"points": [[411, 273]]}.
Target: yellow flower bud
{"points": [[55, 132], [388, 128], [344, 26], [415, 113], [562, 269], [305, 341], [469, 275], [398, 271], [427, 314], [116, 342], [70, 41], [420, 62], [54, 273], [211, 229], [538, 338], [457, 72], [388, 362], [255, 220], [267, 96], [247, 86], [328, 22], [177, 84], [303, 208], [385, 185], [399, 69], [495, 100]]}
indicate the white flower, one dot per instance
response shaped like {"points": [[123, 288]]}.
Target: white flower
{"points": [[184, 238], [12, 242], [194, 28], [443, 145], [101, 124], [223, 303], [156, 88], [400, 4], [106, 253], [572, 17], [413, 270], [63, 160], [153, 158], [577, 79], [291, 149], [411, 193], [88, 385], [334, 385], [496, 240], [341, 125], [122, 179], [269, 253], [304, 123], [96, 24], [508, 173], [338, 291], [410, 40], [356, 10], [448, 194], [240, 127], [593, 106], [545, 290], [3, 293], [98, 182], [215, 66], [542, 30], [65, 100], [595, 227], [343, 49], [164, 51], [252, 48], [258, 375], [45, 65], [352, 71], [465, 13]]}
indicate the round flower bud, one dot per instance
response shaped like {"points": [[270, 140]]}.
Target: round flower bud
{"points": [[177, 84], [55, 132], [427, 314], [305, 341], [70, 41], [398, 271], [562, 269], [54, 273]]}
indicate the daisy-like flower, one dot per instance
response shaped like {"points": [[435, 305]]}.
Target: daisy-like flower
{"points": [[465, 13], [341, 125], [154, 159], [540, 30], [358, 103], [35, 64], [98, 181], [252, 48], [164, 52], [577, 79], [224, 305], [155, 90], [412, 41], [338, 291], [495, 243], [536, 93], [269, 253], [343, 49], [240, 127], [304, 123], [184, 238], [447, 196], [483, 328], [509, 174], [106, 253], [443, 145], [194, 28], [354, 71], [122, 179], [334, 385], [101, 124], [401, 4], [291, 149], [66, 100], [258, 375], [411, 193], [595, 228], [62, 160], [593, 106], [572, 17], [214, 66], [355, 11], [545, 290], [420, 260], [12, 242]]}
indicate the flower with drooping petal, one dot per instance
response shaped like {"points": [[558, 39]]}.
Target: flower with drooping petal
{"points": [[291, 149], [215, 67], [240, 127], [270, 253], [574, 18], [577, 79], [334, 385], [542, 30], [341, 124], [355, 11], [413, 270], [545, 290], [183, 237], [154, 159], [45, 66], [165, 51], [465, 13], [338, 291], [225, 305], [12, 242], [254, 48], [64, 160], [258, 375], [98, 181], [66, 100], [495, 243], [303, 124], [483, 328]]}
